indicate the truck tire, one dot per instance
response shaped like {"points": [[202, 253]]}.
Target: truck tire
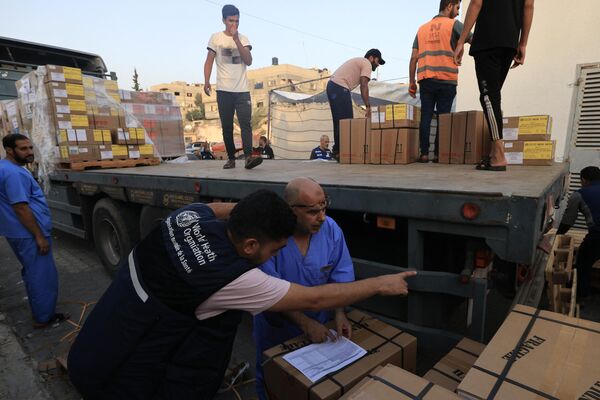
{"points": [[150, 218], [115, 228]]}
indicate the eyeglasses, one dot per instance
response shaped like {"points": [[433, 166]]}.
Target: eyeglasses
{"points": [[315, 209]]}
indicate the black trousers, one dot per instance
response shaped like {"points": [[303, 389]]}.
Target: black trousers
{"points": [[231, 103], [588, 254], [340, 102], [131, 349], [491, 67]]}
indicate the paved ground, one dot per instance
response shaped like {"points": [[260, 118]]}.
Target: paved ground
{"points": [[25, 351]]}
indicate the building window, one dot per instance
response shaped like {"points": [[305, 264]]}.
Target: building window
{"points": [[189, 95], [273, 82], [260, 104], [258, 85], [176, 93]]}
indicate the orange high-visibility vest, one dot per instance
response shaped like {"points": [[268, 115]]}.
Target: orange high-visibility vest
{"points": [[436, 57]]}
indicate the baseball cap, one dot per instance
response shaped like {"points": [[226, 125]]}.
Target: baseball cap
{"points": [[375, 53]]}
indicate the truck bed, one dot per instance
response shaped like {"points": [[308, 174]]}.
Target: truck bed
{"points": [[522, 181]]}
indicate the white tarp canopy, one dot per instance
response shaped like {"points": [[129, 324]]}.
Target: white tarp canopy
{"points": [[297, 120]]}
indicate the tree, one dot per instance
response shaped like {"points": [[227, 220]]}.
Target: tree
{"points": [[194, 114], [198, 101], [259, 118], [136, 83]]}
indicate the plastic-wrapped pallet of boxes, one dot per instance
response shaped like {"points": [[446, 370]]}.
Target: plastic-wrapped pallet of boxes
{"points": [[160, 116], [82, 118]]}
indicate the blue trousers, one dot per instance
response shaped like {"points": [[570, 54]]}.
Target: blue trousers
{"points": [[340, 102], [39, 275], [434, 96]]}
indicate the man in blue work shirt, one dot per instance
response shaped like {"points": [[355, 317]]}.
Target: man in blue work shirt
{"points": [[25, 222], [322, 151], [587, 201], [315, 254]]}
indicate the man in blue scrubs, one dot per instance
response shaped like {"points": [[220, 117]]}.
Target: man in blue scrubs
{"points": [[315, 254], [25, 222]]}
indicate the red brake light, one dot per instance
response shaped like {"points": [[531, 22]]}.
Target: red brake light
{"points": [[470, 211]]}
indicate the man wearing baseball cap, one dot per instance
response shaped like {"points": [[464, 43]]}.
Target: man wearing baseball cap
{"points": [[354, 72]]}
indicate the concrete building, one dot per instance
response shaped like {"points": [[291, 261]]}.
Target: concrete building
{"points": [[262, 80], [563, 36], [184, 92]]}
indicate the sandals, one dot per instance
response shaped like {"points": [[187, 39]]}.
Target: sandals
{"points": [[485, 165], [57, 318]]}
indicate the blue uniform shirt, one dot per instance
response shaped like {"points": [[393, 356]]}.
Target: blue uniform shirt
{"points": [[18, 186], [320, 153], [327, 261]]}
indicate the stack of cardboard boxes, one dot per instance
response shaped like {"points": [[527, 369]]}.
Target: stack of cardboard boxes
{"points": [[390, 136], [159, 115], [464, 138]]}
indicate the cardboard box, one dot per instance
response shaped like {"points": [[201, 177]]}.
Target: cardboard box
{"points": [[521, 152], [478, 141], [103, 136], [444, 137], [458, 138], [71, 121], [78, 153], [12, 117], [530, 127], [120, 152], [395, 116], [137, 135], [394, 146], [109, 122], [72, 137], [537, 354], [384, 344], [62, 90], [120, 136], [57, 73], [133, 151], [455, 365], [146, 150], [105, 152], [393, 383], [355, 135], [69, 106]]}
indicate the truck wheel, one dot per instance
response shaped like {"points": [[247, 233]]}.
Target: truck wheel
{"points": [[115, 229], [150, 218]]}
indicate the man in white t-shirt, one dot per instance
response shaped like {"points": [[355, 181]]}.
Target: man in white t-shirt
{"points": [[354, 72], [231, 51]]}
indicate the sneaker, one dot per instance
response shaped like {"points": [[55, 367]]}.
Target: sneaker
{"points": [[252, 162], [229, 164]]}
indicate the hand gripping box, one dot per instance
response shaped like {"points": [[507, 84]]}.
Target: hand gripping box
{"points": [[384, 344], [537, 355], [393, 383]]}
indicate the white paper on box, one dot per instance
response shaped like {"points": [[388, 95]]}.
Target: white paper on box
{"points": [[317, 360], [71, 135], [514, 158], [508, 145], [510, 133], [65, 125], [59, 93], [134, 154], [504, 121], [83, 150], [63, 109], [15, 123], [73, 150], [105, 155], [11, 109], [81, 135], [123, 135], [57, 77], [377, 117]]}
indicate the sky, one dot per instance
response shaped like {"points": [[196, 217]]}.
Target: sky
{"points": [[166, 40]]}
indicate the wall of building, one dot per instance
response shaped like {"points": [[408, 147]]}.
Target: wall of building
{"points": [[563, 35]]}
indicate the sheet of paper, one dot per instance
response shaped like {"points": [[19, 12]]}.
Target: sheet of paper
{"points": [[317, 360]]}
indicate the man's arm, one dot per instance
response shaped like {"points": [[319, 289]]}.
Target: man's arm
{"points": [[412, 71], [244, 50], [27, 218], [470, 19], [335, 295], [221, 210], [364, 92], [570, 215], [208, 64], [527, 21]]}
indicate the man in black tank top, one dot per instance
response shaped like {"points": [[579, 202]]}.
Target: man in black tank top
{"points": [[500, 37], [165, 327]]}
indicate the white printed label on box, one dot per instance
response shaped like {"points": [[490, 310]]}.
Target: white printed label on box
{"points": [[83, 150], [510, 133], [15, 123], [514, 158], [11, 109], [508, 145], [60, 93], [71, 135], [73, 150], [63, 109], [25, 86], [105, 155], [504, 121], [134, 154], [377, 117], [57, 77], [81, 135], [64, 125]]}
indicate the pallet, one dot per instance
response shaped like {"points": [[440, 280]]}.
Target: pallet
{"points": [[559, 273], [83, 165]]}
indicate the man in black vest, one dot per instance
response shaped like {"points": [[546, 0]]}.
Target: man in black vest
{"points": [[165, 327]]}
